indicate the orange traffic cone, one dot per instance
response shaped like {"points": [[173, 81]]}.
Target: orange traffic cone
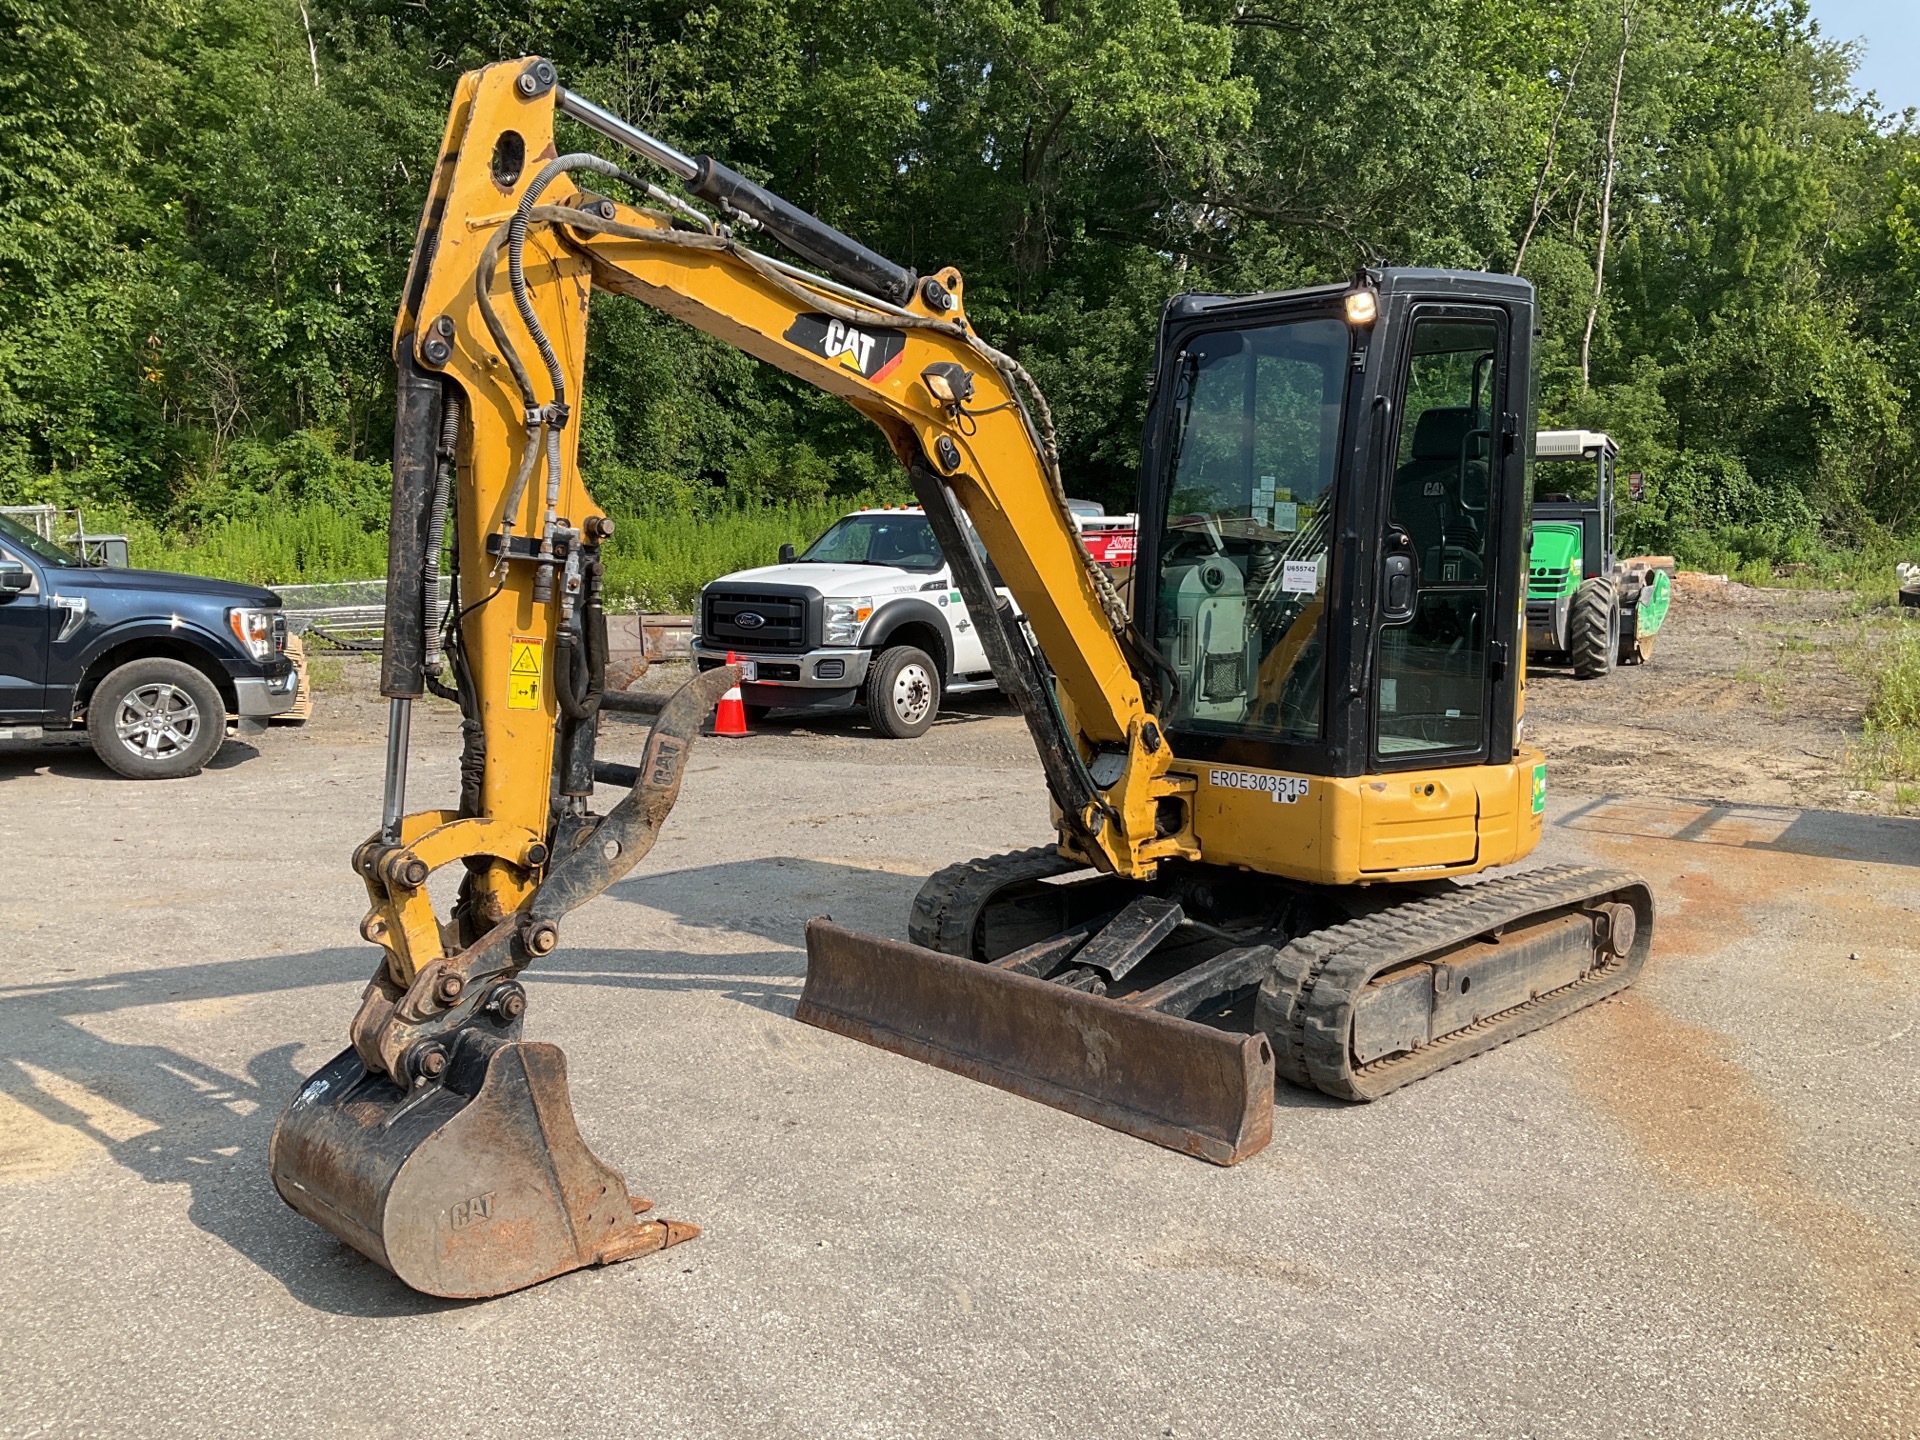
{"points": [[730, 719]]}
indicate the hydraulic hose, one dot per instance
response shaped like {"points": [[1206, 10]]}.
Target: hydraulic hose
{"points": [[582, 674], [516, 247], [437, 533]]}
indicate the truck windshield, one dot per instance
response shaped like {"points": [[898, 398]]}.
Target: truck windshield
{"points": [[45, 551], [904, 541]]}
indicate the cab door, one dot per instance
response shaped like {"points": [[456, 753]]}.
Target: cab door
{"points": [[1442, 536], [24, 636]]}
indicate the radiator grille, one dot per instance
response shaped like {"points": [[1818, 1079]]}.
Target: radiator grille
{"points": [[782, 621]]}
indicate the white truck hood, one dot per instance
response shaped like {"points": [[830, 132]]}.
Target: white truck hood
{"points": [[837, 580]]}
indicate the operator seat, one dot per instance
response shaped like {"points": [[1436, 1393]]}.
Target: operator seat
{"points": [[1429, 499]]}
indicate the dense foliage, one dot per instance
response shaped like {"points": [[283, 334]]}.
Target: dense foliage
{"points": [[206, 208]]}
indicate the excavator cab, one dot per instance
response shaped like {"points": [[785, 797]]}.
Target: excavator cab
{"points": [[1333, 509], [1279, 425]]}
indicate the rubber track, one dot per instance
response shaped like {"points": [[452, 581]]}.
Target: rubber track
{"points": [[946, 912], [1307, 1007]]}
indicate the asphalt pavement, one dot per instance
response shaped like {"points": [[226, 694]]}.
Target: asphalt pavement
{"points": [[1690, 1211]]}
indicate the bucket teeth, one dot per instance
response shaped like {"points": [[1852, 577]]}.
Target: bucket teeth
{"points": [[463, 1195]]}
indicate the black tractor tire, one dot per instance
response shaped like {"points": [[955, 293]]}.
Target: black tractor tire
{"points": [[903, 692], [1593, 628], [156, 719]]}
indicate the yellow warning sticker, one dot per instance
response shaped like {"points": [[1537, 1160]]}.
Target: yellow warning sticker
{"points": [[523, 675]]}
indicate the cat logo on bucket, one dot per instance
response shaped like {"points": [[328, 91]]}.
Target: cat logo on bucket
{"points": [[870, 354]]}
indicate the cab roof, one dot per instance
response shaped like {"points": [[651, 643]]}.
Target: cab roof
{"points": [[1573, 444]]}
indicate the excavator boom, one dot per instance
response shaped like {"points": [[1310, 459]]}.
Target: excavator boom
{"points": [[440, 1143]]}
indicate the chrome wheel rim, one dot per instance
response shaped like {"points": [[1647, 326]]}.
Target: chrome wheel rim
{"points": [[157, 721], [912, 694]]}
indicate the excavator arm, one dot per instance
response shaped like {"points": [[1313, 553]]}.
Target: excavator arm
{"points": [[490, 353]]}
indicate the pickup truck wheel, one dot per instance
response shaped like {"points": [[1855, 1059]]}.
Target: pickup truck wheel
{"points": [[156, 719], [903, 693]]}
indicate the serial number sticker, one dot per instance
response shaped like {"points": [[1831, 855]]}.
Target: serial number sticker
{"points": [[1300, 577], [1285, 789], [523, 673]]}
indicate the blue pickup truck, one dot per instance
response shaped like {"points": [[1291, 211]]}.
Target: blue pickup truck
{"points": [[151, 663]]}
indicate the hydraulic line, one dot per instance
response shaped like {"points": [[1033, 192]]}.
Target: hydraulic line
{"points": [[543, 421], [437, 533], [1035, 414]]}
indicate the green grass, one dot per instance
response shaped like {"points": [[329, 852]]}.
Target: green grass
{"points": [[307, 544], [656, 561], [659, 561], [1865, 569], [1889, 750]]}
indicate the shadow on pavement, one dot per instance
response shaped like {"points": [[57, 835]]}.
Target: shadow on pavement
{"points": [[965, 709], [73, 759], [1827, 834], [175, 1120]]}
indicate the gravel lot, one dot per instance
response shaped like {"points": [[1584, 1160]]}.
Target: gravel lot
{"points": [[1691, 1211]]}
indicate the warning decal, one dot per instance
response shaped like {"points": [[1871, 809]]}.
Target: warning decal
{"points": [[523, 674]]}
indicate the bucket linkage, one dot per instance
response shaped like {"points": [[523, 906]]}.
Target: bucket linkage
{"points": [[443, 1145]]}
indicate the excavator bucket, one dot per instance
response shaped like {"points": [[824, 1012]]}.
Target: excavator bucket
{"points": [[471, 1187], [476, 1182], [1123, 1063]]}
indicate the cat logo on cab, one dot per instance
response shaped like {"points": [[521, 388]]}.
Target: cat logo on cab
{"points": [[870, 354]]}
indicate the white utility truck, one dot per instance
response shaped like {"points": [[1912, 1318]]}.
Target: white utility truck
{"points": [[867, 617]]}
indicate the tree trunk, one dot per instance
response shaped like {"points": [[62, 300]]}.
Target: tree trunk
{"points": [[1606, 198], [1541, 198]]}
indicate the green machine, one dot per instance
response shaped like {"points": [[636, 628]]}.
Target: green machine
{"points": [[1585, 607]]}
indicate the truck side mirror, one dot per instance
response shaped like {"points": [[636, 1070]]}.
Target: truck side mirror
{"points": [[14, 577], [787, 553]]}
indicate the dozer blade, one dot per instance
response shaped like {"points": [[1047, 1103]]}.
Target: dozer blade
{"points": [[1184, 1085], [474, 1186]]}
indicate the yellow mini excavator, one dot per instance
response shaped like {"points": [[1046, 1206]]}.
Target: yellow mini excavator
{"points": [[1264, 778]]}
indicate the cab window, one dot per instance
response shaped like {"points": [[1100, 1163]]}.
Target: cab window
{"points": [[1242, 568]]}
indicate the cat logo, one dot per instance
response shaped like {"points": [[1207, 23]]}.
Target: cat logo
{"points": [[870, 354], [1434, 488]]}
